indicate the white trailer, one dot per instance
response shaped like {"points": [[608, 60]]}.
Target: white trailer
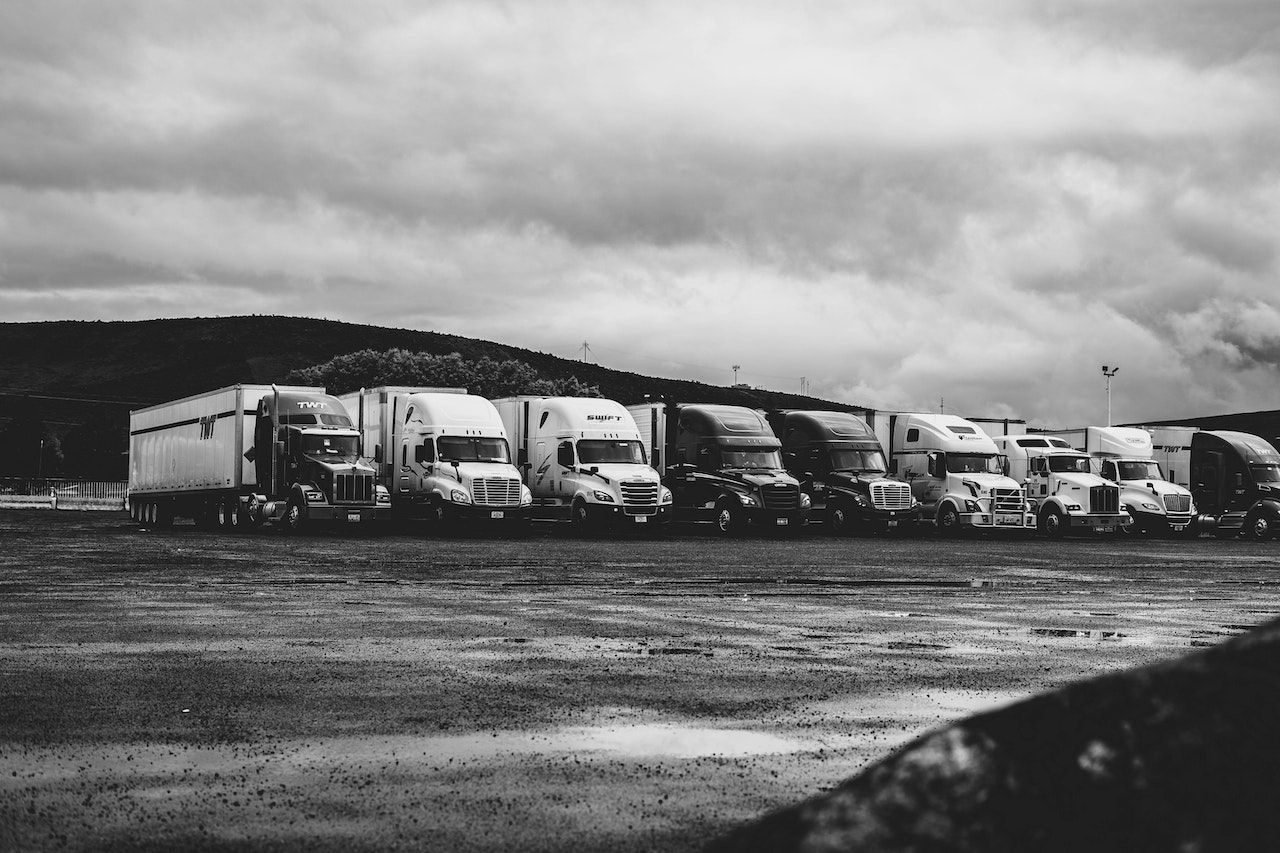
{"points": [[584, 461], [1126, 456], [442, 454], [957, 473], [247, 454]]}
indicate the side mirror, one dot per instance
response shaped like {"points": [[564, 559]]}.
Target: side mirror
{"points": [[377, 453]]}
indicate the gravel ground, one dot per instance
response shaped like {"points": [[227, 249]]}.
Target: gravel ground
{"points": [[185, 690]]}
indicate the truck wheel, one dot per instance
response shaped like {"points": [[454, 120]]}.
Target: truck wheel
{"points": [[295, 516], [949, 521], [229, 515], [838, 521], [1052, 524], [580, 518], [728, 518], [1259, 527], [1133, 528]]}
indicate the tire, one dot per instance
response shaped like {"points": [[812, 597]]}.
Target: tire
{"points": [[294, 519], [949, 521], [1258, 527], [1052, 524], [580, 519], [839, 522], [1133, 528], [729, 518], [229, 515]]}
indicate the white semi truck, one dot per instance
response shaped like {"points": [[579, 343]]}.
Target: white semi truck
{"points": [[248, 454], [442, 454], [584, 462], [957, 474], [1126, 456], [1061, 485]]}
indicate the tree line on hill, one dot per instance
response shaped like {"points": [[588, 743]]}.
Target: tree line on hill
{"points": [[98, 449]]}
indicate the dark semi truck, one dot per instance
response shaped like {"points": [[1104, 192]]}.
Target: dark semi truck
{"points": [[1235, 482], [841, 467]]}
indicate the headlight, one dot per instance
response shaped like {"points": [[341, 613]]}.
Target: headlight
{"points": [[861, 499], [970, 505], [603, 497], [805, 502], [1074, 507], [313, 496], [458, 496], [526, 496], [1150, 506], [664, 495], [747, 499]]}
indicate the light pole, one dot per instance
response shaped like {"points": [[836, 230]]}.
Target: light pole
{"points": [[1109, 372]]}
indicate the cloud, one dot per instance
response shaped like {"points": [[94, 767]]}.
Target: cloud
{"points": [[896, 201]]}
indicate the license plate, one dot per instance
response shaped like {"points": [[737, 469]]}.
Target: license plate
{"points": [[1008, 519], [1106, 528], [1177, 528], [782, 522], [497, 513], [642, 519], [353, 517]]}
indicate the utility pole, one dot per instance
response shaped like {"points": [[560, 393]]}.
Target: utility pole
{"points": [[1109, 372], [736, 368]]}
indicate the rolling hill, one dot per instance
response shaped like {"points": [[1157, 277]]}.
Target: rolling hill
{"points": [[74, 382]]}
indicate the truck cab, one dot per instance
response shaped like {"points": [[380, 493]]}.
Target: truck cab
{"points": [[957, 474], [723, 465], [841, 467], [1126, 457], [306, 454], [1235, 478], [1061, 486], [584, 462]]}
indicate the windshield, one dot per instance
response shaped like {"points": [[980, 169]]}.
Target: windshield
{"points": [[858, 460], [1140, 471], [597, 452], [1069, 464], [331, 448], [465, 448], [1265, 473], [750, 457], [973, 463]]}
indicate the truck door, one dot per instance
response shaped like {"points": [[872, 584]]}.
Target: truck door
{"points": [[417, 460], [564, 467], [1207, 481]]}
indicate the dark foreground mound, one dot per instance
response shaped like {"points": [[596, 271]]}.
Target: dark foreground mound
{"points": [[1183, 756]]}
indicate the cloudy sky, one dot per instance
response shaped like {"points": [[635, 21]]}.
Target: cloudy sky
{"points": [[901, 202]]}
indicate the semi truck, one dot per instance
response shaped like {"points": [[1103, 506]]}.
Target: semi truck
{"points": [[584, 462], [842, 468], [442, 454], [722, 465], [1061, 486], [957, 474], [1236, 483], [1126, 457], [245, 455]]}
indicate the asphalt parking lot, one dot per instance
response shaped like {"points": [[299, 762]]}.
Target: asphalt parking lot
{"points": [[186, 690]]}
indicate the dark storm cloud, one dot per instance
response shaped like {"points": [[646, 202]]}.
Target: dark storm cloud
{"points": [[894, 200]]}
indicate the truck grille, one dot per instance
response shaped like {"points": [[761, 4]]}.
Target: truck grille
{"points": [[1177, 503], [1008, 501], [353, 488], [890, 495], [781, 496], [496, 491], [639, 498], [1104, 499]]}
